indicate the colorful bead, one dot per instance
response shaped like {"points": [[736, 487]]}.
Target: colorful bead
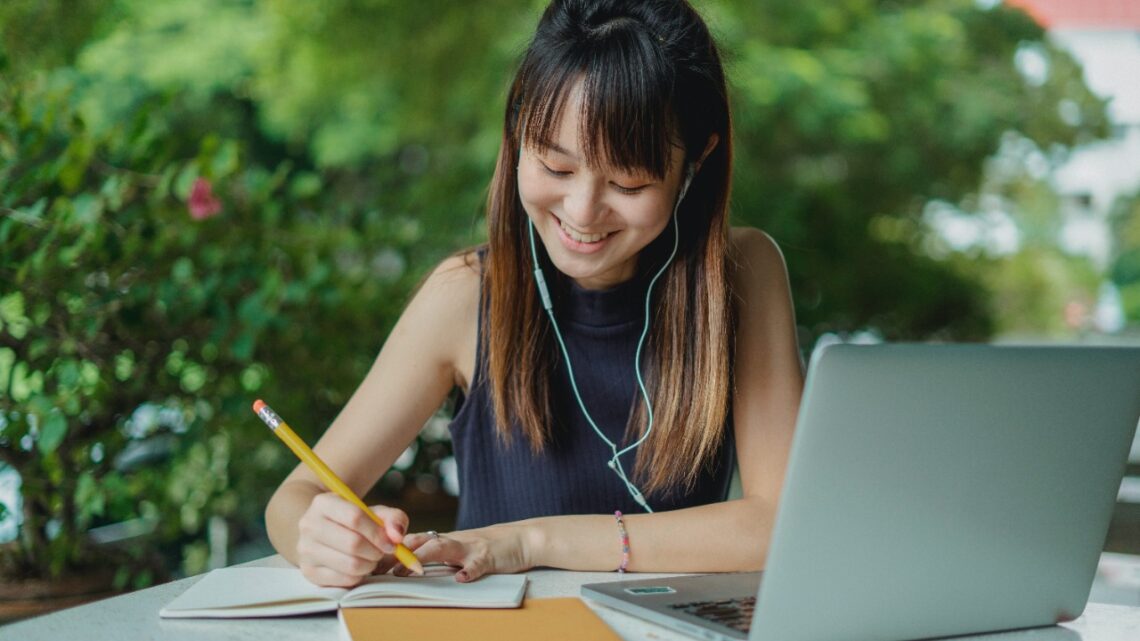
{"points": [[624, 542]]}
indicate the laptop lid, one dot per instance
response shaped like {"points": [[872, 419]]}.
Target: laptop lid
{"points": [[932, 490], [938, 490]]}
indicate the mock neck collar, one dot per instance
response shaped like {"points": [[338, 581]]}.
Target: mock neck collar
{"points": [[622, 303]]}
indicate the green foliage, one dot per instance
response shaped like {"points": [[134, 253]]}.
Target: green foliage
{"points": [[1034, 286], [113, 299], [349, 144], [1038, 290], [1125, 269], [846, 112], [852, 115], [41, 34]]}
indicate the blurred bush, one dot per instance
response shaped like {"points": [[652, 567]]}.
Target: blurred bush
{"points": [[152, 284]]}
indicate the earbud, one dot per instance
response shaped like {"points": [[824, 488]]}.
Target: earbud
{"points": [[690, 171]]}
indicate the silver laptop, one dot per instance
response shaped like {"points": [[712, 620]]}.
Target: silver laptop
{"points": [[933, 490]]}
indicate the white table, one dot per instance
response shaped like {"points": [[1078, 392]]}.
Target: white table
{"points": [[134, 617]]}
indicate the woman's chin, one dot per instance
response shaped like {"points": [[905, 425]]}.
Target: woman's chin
{"points": [[593, 276]]}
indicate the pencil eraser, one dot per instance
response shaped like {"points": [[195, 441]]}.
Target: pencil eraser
{"points": [[257, 405]]}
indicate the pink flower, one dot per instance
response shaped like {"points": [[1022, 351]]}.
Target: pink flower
{"points": [[202, 202]]}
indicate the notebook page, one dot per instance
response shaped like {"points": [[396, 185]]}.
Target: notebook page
{"points": [[252, 592], [492, 591]]}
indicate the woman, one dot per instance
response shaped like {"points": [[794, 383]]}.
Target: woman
{"points": [[598, 431]]}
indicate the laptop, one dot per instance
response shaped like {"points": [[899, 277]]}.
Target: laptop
{"points": [[932, 490]]}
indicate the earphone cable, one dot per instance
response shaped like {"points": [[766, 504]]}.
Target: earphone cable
{"points": [[540, 280]]}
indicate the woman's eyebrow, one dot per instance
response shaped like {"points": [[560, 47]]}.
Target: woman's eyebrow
{"points": [[553, 146]]}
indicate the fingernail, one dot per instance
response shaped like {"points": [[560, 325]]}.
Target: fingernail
{"points": [[462, 575]]}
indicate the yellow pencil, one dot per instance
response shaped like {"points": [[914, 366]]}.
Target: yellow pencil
{"points": [[328, 477]]}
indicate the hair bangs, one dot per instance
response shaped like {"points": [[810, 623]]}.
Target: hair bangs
{"points": [[626, 120], [543, 102], [627, 102]]}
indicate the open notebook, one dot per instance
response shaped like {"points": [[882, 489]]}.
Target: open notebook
{"points": [[231, 593]]}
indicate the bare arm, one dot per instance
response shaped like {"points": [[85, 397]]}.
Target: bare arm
{"points": [[332, 542], [727, 536]]}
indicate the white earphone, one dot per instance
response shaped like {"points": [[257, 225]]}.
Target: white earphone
{"points": [[614, 462]]}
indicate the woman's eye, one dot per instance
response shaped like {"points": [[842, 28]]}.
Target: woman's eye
{"points": [[553, 172], [629, 190], [558, 173]]}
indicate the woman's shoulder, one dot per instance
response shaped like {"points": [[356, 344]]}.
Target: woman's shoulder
{"points": [[762, 294], [443, 314], [753, 252], [451, 289], [457, 273]]}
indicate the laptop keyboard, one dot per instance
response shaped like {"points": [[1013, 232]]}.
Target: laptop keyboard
{"points": [[733, 613]]}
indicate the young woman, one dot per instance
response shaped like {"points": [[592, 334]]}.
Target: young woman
{"points": [[599, 431]]}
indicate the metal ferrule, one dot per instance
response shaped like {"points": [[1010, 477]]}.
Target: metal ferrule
{"points": [[269, 417]]}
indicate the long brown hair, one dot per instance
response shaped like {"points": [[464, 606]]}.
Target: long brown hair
{"points": [[652, 79]]}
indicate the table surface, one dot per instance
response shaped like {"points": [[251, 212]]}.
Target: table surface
{"points": [[134, 616]]}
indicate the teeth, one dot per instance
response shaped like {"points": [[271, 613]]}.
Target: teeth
{"points": [[583, 238]]}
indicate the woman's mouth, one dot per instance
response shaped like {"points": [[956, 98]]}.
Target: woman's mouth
{"points": [[580, 237]]}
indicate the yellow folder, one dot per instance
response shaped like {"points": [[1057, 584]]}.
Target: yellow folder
{"points": [[565, 619]]}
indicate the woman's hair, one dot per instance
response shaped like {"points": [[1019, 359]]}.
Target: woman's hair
{"points": [[651, 80]]}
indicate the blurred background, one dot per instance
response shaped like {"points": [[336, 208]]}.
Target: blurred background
{"points": [[204, 202]]}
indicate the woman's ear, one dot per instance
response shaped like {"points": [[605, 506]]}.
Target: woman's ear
{"points": [[714, 139]]}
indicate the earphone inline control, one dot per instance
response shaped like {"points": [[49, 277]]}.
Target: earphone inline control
{"points": [[540, 280]]}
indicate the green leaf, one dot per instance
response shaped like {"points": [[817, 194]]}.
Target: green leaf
{"points": [[86, 209], [306, 184], [76, 160], [242, 347], [52, 433], [124, 365], [90, 501], [183, 270], [12, 308], [185, 180], [67, 373], [193, 377], [25, 383], [7, 362], [252, 377], [88, 375], [225, 160], [33, 214], [114, 190]]}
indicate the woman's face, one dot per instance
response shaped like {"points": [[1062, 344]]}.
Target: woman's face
{"points": [[593, 221]]}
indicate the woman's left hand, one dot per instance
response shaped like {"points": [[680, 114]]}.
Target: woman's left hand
{"points": [[499, 549]]}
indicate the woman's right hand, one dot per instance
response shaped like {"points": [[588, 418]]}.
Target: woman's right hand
{"points": [[339, 545]]}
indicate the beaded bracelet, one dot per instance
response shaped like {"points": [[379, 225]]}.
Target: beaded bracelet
{"points": [[624, 542]]}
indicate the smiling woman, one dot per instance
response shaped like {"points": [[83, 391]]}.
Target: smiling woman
{"points": [[611, 96], [580, 210], [618, 349]]}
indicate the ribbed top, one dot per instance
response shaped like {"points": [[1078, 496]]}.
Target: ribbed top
{"points": [[500, 483]]}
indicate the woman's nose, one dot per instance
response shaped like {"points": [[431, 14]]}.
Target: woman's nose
{"points": [[583, 203]]}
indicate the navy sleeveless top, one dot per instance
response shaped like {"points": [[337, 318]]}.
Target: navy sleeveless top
{"points": [[500, 483]]}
